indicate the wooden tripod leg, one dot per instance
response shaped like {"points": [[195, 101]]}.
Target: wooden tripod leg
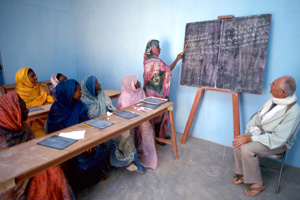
{"points": [[192, 115], [236, 114]]}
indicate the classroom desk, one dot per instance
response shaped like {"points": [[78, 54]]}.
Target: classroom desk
{"points": [[11, 87], [113, 94], [25, 160], [39, 113], [46, 107]]}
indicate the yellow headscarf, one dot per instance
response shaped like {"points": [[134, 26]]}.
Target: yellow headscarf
{"points": [[33, 96]]}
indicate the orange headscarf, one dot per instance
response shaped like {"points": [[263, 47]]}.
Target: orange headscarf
{"points": [[32, 95], [10, 112]]}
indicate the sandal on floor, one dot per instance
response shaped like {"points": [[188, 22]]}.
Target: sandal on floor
{"points": [[168, 137], [238, 179], [103, 177], [161, 143], [132, 167], [255, 190]]}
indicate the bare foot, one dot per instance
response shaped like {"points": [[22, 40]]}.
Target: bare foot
{"points": [[254, 189], [238, 179]]}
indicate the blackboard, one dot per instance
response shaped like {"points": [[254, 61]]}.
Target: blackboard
{"points": [[227, 54]]}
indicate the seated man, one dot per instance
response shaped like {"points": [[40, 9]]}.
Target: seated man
{"points": [[270, 131]]}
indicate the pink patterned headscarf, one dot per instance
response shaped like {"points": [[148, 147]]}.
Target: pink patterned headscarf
{"points": [[151, 50], [130, 95], [54, 80]]}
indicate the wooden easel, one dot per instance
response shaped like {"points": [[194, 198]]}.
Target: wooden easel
{"points": [[235, 104], [235, 107]]}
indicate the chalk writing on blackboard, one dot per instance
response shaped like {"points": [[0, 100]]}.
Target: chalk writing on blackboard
{"points": [[227, 54]]}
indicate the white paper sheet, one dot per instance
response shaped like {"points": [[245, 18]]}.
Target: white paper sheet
{"points": [[77, 135]]}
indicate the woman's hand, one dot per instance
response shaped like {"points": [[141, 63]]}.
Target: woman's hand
{"points": [[44, 85], [179, 56]]}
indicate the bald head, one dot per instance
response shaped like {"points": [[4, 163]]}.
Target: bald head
{"points": [[288, 85]]}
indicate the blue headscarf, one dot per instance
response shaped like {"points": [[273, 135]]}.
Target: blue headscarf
{"points": [[90, 85], [98, 102], [66, 111]]}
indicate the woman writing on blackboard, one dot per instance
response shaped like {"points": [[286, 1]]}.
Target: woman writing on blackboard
{"points": [[157, 77]]}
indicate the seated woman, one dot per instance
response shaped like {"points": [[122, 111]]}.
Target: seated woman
{"points": [[85, 169], [34, 94], [123, 152], [50, 184], [56, 78], [132, 93], [97, 101]]}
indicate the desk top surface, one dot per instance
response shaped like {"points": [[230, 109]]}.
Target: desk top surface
{"points": [[29, 158], [12, 86], [112, 93], [46, 107]]}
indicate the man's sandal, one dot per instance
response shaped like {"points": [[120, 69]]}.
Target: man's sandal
{"points": [[252, 192], [238, 179]]}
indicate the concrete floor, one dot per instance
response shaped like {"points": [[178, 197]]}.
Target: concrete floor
{"points": [[199, 173]]}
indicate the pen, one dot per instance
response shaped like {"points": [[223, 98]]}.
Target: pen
{"points": [[88, 125]]}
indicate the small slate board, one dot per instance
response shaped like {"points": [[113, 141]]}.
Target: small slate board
{"points": [[57, 142], [35, 109], [98, 123], [125, 114], [154, 100], [148, 105]]}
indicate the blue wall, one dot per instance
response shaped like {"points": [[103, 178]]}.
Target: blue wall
{"points": [[37, 34], [107, 38]]}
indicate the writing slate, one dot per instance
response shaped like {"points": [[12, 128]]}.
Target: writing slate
{"points": [[32, 109], [125, 114], [148, 105], [57, 142], [154, 100], [227, 53], [99, 123]]}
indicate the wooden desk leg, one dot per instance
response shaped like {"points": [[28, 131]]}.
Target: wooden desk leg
{"points": [[236, 114], [3, 90], [154, 136], [173, 131], [192, 115]]}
